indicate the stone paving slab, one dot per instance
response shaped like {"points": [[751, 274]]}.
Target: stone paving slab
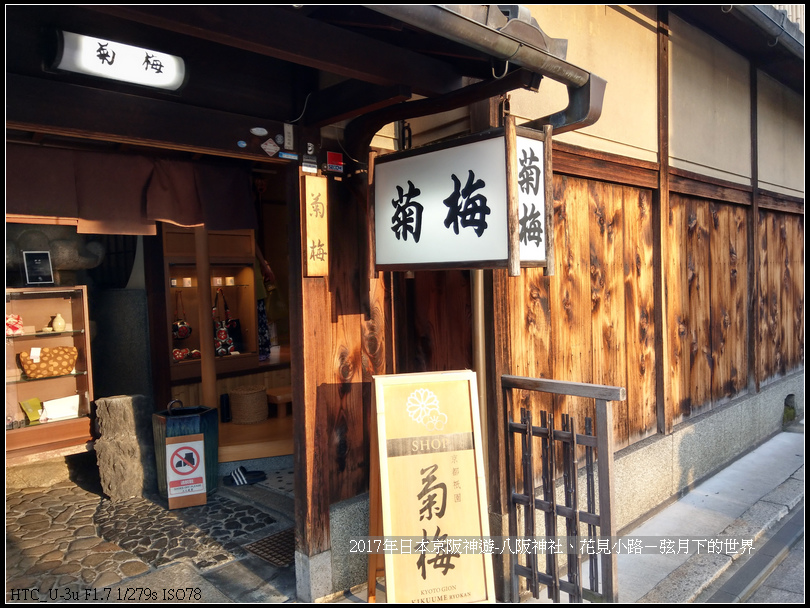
{"points": [[688, 580], [51, 543], [178, 583], [695, 575], [207, 535], [253, 580], [64, 540]]}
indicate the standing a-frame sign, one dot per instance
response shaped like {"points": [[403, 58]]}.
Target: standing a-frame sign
{"points": [[433, 488]]}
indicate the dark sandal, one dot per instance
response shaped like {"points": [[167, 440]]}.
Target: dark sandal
{"points": [[243, 477]]}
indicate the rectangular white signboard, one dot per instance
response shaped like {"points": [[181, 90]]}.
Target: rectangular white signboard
{"points": [[448, 206]]}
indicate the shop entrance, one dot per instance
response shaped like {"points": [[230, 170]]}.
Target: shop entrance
{"points": [[134, 348]]}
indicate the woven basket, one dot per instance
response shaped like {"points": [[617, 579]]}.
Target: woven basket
{"points": [[248, 404]]}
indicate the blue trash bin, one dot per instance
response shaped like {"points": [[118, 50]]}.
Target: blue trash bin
{"points": [[180, 421]]}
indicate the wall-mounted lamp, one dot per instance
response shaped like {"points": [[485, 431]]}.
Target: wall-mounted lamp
{"points": [[118, 61]]}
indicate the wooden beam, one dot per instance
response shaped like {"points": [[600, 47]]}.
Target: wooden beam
{"points": [[292, 36], [349, 99], [777, 202], [579, 162], [47, 106], [699, 186]]}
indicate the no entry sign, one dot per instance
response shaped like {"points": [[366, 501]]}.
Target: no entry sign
{"points": [[185, 471]]}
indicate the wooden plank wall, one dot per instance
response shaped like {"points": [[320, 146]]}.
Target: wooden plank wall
{"points": [[434, 321], [639, 306], [780, 309], [593, 320], [707, 300]]}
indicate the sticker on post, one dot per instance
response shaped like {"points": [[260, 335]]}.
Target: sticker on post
{"points": [[270, 147]]}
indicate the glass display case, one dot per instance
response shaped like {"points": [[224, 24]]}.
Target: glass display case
{"points": [[231, 278], [49, 385]]}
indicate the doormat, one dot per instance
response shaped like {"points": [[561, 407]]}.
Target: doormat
{"points": [[278, 549]]}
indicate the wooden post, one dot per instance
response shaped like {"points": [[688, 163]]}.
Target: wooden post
{"points": [[548, 174], [480, 354], [306, 337], [512, 209], [208, 370], [753, 246], [663, 399], [376, 561], [607, 523]]}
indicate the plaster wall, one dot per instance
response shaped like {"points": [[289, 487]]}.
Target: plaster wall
{"points": [[780, 137], [710, 106], [617, 44]]}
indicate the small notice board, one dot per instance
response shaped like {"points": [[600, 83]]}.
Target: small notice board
{"points": [[185, 471], [433, 488]]}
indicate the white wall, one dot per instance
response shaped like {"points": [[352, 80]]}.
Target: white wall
{"points": [[709, 98], [780, 137], [710, 108], [617, 44]]}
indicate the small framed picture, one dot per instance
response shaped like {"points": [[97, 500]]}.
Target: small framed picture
{"points": [[38, 269]]}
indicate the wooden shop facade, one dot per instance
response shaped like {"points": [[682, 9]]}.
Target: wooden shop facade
{"points": [[675, 204]]}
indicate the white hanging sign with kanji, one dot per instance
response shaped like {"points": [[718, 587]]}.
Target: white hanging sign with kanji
{"points": [[448, 206]]}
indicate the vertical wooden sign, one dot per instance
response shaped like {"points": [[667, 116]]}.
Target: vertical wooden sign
{"points": [[316, 227], [433, 488]]}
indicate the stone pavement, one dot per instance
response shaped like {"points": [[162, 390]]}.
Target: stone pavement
{"points": [[67, 542], [747, 501]]}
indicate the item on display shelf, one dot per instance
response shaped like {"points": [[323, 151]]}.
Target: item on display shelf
{"points": [[32, 408], [227, 330], [180, 327], [58, 409], [47, 362], [14, 325], [58, 323], [185, 354], [248, 404], [180, 354]]}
